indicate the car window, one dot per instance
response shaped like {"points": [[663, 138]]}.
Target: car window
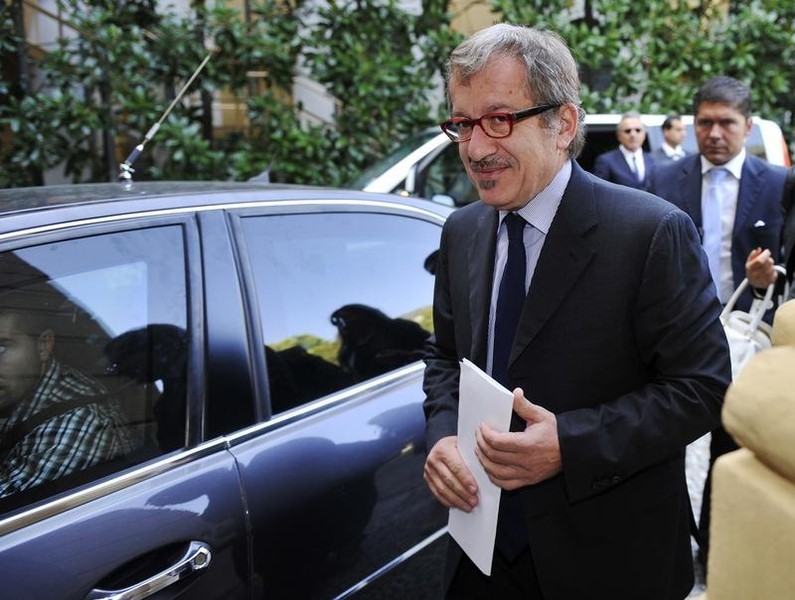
{"points": [[598, 139], [343, 297], [93, 349], [399, 153], [755, 144], [446, 176]]}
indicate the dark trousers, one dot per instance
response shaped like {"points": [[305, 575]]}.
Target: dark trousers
{"points": [[720, 444], [514, 580]]}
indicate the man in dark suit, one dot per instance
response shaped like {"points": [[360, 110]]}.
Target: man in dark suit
{"points": [[628, 164], [617, 362], [673, 131], [737, 215]]}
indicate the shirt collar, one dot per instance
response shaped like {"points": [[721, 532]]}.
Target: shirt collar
{"points": [[628, 154], [733, 166], [540, 211], [670, 151]]}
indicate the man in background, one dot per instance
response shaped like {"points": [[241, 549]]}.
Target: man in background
{"points": [[628, 164], [671, 149]]}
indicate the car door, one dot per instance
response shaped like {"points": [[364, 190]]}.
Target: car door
{"points": [[126, 307], [340, 298]]}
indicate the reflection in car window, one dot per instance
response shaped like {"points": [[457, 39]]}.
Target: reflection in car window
{"points": [[343, 297], [93, 353]]}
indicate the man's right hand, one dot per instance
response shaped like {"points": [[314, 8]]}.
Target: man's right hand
{"points": [[759, 268], [448, 477]]}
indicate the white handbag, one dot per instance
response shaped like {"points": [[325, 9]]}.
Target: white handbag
{"points": [[746, 332]]}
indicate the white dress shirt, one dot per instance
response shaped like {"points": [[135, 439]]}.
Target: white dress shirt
{"points": [[635, 161], [672, 153]]}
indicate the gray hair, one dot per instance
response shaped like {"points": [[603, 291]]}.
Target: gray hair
{"points": [[630, 114], [551, 71]]}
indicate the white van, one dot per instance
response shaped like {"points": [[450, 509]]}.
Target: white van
{"points": [[427, 165]]}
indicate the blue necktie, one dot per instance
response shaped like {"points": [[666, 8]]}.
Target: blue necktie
{"points": [[711, 222], [511, 532], [637, 170]]}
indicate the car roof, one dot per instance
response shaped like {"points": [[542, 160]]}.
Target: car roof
{"points": [[30, 207], [31, 198], [615, 118]]}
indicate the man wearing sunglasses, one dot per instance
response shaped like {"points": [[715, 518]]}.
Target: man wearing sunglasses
{"points": [[628, 164], [592, 303]]}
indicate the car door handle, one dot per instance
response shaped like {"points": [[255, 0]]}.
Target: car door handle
{"points": [[196, 558]]}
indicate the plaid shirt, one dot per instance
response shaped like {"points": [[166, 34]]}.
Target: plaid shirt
{"points": [[68, 442]]}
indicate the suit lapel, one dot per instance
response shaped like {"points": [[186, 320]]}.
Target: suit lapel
{"points": [[688, 187], [624, 166], [750, 183], [564, 257], [649, 164], [481, 274]]}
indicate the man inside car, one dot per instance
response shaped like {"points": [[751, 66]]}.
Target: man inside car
{"points": [[54, 420]]}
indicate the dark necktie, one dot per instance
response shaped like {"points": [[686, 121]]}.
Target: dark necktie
{"points": [[510, 299], [511, 532]]}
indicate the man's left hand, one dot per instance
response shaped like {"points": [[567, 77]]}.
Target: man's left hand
{"points": [[759, 268], [516, 459]]}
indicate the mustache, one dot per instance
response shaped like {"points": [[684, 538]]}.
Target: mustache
{"points": [[478, 166]]}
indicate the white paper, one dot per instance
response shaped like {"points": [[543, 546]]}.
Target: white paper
{"points": [[481, 400]]}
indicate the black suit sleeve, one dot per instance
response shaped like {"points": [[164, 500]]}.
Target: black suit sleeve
{"points": [[442, 368], [679, 337]]}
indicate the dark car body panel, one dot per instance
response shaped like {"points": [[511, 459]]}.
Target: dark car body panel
{"points": [[70, 553]]}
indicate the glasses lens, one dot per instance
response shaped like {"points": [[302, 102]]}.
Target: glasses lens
{"points": [[497, 125], [453, 130]]}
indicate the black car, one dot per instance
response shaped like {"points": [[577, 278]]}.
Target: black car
{"points": [[253, 355]]}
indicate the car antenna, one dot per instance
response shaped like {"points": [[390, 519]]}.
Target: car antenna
{"points": [[125, 168]]}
